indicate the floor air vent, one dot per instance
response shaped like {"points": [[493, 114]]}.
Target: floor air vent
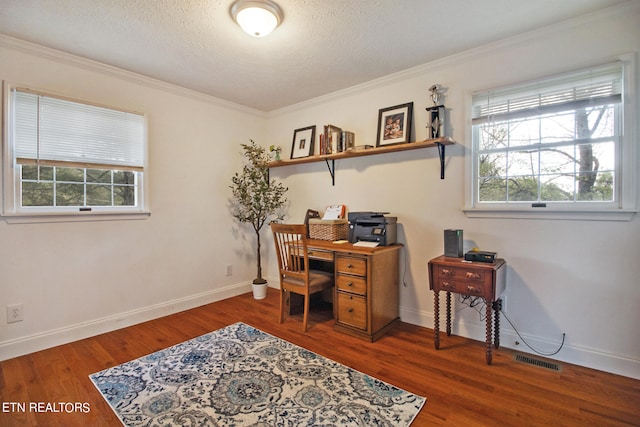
{"points": [[537, 362]]}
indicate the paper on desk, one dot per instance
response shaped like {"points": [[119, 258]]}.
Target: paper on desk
{"points": [[334, 212], [366, 244]]}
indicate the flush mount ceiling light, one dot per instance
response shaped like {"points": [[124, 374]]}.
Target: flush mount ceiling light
{"points": [[256, 17]]}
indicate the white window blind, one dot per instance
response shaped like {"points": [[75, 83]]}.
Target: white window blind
{"points": [[59, 132], [589, 88]]}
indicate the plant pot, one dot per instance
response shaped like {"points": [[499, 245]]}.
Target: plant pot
{"points": [[259, 290]]}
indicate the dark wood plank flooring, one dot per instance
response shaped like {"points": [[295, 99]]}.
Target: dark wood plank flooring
{"points": [[461, 390]]}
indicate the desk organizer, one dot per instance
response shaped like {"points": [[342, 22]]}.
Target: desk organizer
{"points": [[333, 229]]}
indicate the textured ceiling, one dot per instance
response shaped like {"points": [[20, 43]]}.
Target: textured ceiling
{"points": [[322, 45]]}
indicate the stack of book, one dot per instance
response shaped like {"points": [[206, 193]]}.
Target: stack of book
{"points": [[335, 140]]}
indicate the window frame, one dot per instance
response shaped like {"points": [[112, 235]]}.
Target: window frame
{"points": [[13, 212], [627, 164]]}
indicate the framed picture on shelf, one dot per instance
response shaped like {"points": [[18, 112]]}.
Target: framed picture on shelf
{"points": [[303, 139], [394, 125]]}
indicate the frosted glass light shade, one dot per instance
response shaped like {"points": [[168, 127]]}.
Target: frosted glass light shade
{"points": [[257, 18]]}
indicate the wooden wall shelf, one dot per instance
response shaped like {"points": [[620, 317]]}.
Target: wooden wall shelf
{"points": [[440, 143]]}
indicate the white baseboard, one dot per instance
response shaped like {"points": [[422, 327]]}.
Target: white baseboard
{"points": [[36, 342], [574, 354]]}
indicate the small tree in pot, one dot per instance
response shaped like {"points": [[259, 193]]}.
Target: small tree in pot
{"points": [[257, 199]]}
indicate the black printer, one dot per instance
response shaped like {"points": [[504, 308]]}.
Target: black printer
{"points": [[372, 227]]}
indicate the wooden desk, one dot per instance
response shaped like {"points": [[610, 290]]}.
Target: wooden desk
{"points": [[486, 280], [367, 293]]}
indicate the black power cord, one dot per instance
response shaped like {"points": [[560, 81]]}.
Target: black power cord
{"points": [[531, 347], [479, 305]]}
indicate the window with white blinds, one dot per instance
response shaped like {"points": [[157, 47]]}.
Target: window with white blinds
{"points": [[56, 131], [550, 143], [72, 156]]}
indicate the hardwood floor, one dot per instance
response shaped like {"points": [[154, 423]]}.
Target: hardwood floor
{"points": [[461, 390]]}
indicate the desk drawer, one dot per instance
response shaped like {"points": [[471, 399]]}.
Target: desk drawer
{"points": [[351, 265], [321, 254], [353, 284], [352, 310], [465, 287]]}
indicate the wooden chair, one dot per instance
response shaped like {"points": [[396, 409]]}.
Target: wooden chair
{"points": [[293, 262]]}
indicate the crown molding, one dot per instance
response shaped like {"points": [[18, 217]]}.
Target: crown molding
{"points": [[91, 65], [628, 8]]}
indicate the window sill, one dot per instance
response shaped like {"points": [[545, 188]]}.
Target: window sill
{"points": [[552, 214], [34, 218]]}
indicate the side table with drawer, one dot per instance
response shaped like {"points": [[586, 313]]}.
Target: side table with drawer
{"points": [[479, 279]]}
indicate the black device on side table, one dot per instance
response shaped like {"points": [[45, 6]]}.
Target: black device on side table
{"points": [[480, 256]]}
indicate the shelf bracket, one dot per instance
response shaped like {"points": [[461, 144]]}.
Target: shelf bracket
{"points": [[332, 170], [441, 155]]}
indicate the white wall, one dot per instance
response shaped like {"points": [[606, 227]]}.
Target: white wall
{"points": [[77, 279], [573, 277]]}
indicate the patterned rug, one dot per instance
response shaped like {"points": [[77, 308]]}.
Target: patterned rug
{"points": [[241, 376]]}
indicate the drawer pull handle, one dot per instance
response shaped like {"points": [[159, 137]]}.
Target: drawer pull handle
{"points": [[447, 285], [349, 266], [471, 275], [350, 284], [447, 272], [350, 310], [473, 289]]}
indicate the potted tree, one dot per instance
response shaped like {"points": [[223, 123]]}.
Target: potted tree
{"points": [[257, 200]]}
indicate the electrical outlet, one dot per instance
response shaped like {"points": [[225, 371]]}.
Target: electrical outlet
{"points": [[229, 270], [14, 313]]}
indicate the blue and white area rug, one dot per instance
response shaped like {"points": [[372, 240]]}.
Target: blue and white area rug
{"points": [[241, 376]]}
